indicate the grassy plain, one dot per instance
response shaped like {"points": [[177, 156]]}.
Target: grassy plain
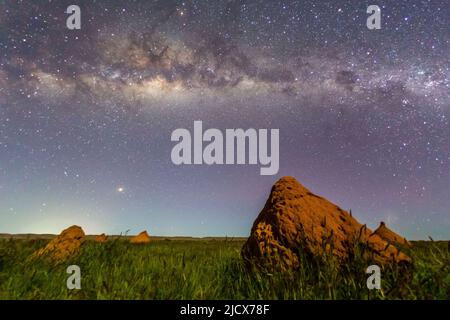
{"points": [[209, 269]]}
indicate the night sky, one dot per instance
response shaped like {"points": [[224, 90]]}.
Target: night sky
{"points": [[86, 115]]}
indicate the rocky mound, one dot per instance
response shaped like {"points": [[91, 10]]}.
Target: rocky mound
{"points": [[295, 221], [101, 238], [390, 236], [63, 246], [142, 237]]}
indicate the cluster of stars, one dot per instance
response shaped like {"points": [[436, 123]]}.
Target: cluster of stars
{"points": [[86, 115]]}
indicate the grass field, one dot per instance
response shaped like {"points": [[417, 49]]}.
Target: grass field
{"points": [[209, 269]]}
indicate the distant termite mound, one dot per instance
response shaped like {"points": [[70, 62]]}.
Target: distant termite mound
{"points": [[142, 237], [63, 246], [101, 238]]}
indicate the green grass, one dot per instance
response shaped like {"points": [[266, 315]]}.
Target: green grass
{"points": [[209, 270]]}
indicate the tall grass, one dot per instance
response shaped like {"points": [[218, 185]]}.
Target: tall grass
{"points": [[210, 270]]}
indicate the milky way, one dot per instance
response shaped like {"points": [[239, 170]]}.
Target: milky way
{"points": [[86, 115]]}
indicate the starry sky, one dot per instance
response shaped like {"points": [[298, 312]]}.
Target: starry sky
{"points": [[86, 115]]}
